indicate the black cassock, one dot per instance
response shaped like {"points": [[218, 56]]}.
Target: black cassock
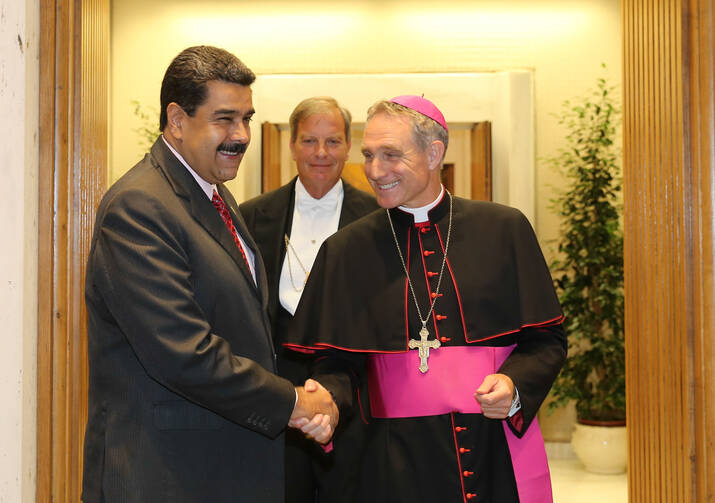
{"points": [[496, 291]]}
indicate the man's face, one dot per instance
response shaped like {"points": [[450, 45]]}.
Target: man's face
{"points": [[214, 140], [395, 166], [320, 151]]}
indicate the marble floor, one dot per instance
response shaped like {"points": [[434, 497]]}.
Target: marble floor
{"points": [[573, 484]]}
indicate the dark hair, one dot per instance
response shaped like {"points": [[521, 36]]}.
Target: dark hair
{"points": [[185, 80]]}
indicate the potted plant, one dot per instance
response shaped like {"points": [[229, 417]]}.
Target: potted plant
{"points": [[588, 273]]}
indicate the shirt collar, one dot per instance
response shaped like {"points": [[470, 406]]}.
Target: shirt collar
{"points": [[421, 214], [304, 201], [207, 187]]}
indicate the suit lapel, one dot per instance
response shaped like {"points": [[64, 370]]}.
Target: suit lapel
{"points": [[248, 239], [352, 206], [209, 218], [277, 215], [201, 208]]}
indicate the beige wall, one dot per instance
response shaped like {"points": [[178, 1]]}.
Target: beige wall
{"points": [[562, 42], [19, 92], [503, 98]]}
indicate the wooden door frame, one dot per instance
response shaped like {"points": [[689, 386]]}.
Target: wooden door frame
{"points": [[74, 63], [481, 154], [270, 157], [669, 162]]}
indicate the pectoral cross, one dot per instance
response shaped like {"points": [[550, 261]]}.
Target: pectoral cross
{"points": [[423, 346]]}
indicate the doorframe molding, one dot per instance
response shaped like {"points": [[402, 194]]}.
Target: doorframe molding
{"points": [[74, 65], [669, 149]]}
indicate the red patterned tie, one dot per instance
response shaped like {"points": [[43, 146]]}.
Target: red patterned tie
{"points": [[226, 216]]}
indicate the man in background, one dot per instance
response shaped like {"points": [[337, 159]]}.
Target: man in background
{"points": [[184, 402], [289, 224]]}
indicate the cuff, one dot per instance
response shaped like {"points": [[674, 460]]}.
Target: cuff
{"points": [[515, 404]]}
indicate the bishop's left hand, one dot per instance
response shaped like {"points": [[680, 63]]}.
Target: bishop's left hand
{"points": [[495, 395]]}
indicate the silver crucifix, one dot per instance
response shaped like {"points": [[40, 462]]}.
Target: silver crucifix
{"points": [[423, 346]]}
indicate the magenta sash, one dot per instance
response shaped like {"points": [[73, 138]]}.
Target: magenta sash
{"points": [[399, 389]]}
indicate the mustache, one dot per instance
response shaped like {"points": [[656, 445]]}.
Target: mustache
{"points": [[233, 147]]}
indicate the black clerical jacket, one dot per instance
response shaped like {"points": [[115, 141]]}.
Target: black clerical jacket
{"points": [[496, 290]]}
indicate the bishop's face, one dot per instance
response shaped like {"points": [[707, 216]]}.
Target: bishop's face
{"points": [[400, 173]]}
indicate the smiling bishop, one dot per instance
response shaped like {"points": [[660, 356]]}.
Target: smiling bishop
{"points": [[449, 308]]}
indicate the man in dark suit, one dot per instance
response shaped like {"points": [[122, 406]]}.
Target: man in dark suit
{"points": [[289, 224], [184, 402]]}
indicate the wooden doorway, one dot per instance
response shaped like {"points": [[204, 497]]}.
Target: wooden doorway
{"points": [[74, 64], [669, 182]]}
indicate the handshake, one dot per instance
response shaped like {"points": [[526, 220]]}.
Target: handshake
{"points": [[315, 412]]}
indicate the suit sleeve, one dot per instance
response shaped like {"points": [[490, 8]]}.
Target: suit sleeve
{"points": [[143, 273], [341, 373]]}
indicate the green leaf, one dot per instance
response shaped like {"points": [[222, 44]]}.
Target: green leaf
{"points": [[588, 270]]}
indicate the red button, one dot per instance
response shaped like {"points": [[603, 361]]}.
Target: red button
{"points": [[471, 495], [440, 317], [460, 428], [428, 253], [433, 295], [462, 450], [424, 230], [431, 274], [445, 339], [467, 474]]}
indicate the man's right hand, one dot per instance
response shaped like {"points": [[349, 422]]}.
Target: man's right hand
{"points": [[315, 412]]}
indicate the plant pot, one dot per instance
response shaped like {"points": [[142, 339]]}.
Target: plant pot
{"points": [[601, 448]]}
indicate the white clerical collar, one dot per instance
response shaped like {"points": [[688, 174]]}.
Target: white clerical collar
{"points": [[329, 201], [421, 214], [207, 187]]}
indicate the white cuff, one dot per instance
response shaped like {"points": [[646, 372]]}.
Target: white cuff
{"points": [[515, 404]]}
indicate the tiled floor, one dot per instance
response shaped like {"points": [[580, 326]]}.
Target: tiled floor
{"points": [[573, 484]]}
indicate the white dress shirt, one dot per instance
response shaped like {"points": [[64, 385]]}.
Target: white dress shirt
{"points": [[314, 220], [208, 189]]}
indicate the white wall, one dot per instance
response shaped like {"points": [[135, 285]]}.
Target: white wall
{"points": [[19, 91], [563, 43]]}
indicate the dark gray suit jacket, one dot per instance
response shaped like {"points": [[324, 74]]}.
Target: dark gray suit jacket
{"points": [[184, 405]]}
